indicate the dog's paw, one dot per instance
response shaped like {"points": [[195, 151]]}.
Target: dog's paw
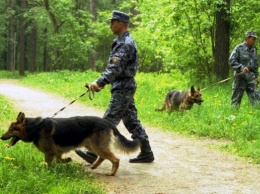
{"points": [[67, 159], [64, 160], [93, 167], [110, 174]]}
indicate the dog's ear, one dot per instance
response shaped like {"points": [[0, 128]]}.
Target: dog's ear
{"points": [[198, 89], [20, 117], [192, 90]]}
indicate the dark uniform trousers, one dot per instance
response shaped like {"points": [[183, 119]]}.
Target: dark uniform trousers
{"points": [[122, 106], [244, 83]]}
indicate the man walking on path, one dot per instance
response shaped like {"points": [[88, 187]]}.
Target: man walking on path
{"points": [[120, 73]]}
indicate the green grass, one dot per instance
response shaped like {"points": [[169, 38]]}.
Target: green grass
{"points": [[23, 171], [7, 111], [10, 75]]}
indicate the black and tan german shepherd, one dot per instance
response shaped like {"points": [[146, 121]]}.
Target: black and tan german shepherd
{"points": [[181, 100], [56, 136]]}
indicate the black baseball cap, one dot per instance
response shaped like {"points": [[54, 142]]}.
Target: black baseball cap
{"points": [[120, 16]]}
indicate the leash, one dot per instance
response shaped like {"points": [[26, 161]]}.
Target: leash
{"points": [[91, 96], [221, 81]]}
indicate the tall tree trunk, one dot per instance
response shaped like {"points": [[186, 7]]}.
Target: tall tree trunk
{"points": [[93, 55], [11, 40], [45, 53], [22, 38], [32, 58], [222, 43], [56, 27]]}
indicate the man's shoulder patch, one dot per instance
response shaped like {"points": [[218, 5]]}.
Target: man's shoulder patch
{"points": [[114, 60]]}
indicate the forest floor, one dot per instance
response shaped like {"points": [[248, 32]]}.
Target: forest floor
{"points": [[182, 165]]}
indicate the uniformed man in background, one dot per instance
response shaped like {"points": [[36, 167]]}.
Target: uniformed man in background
{"points": [[244, 61]]}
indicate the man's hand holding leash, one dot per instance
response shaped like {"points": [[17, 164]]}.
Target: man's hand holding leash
{"points": [[247, 70], [93, 87]]}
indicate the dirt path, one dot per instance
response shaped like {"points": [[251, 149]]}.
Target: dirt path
{"points": [[182, 165]]}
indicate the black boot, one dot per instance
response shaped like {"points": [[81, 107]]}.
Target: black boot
{"points": [[146, 154], [90, 157]]}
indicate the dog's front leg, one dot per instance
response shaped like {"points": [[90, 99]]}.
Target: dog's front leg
{"points": [[98, 161], [182, 107], [49, 157]]}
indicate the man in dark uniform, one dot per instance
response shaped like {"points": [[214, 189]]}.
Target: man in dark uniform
{"points": [[244, 61], [120, 73]]}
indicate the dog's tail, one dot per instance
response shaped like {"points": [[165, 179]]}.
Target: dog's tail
{"points": [[163, 107], [125, 145], [167, 98]]}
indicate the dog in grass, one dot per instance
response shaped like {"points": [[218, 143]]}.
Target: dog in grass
{"points": [[181, 100], [56, 136]]}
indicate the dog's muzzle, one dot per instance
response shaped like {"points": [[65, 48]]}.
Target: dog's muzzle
{"points": [[13, 141], [199, 102]]}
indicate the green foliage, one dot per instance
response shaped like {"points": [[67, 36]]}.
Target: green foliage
{"points": [[242, 21], [177, 35], [180, 34], [215, 118], [72, 37], [170, 35]]}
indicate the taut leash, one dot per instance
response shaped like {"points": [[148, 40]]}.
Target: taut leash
{"points": [[221, 81], [91, 94]]}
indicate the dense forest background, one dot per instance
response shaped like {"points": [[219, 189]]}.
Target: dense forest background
{"points": [[193, 37]]}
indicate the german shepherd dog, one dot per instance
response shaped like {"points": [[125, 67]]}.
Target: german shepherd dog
{"points": [[181, 100], [56, 136]]}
